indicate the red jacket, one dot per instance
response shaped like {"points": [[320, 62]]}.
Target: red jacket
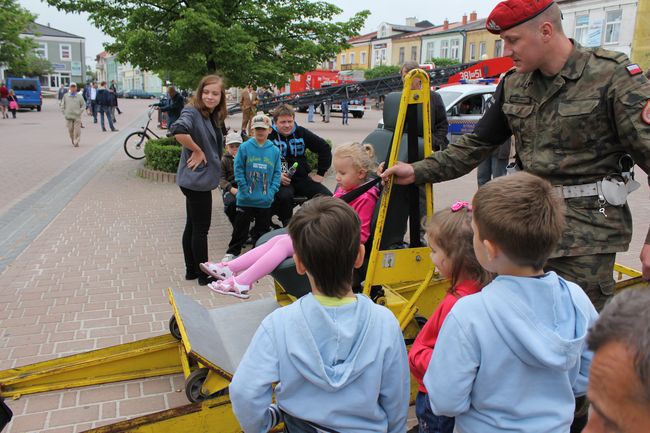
{"points": [[420, 353]]}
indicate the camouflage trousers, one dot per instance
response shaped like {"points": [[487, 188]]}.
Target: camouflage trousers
{"points": [[595, 274]]}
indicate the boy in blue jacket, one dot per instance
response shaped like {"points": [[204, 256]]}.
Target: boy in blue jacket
{"points": [[338, 359], [257, 173], [513, 357]]}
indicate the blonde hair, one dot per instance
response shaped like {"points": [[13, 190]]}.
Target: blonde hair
{"points": [[452, 232], [362, 155]]}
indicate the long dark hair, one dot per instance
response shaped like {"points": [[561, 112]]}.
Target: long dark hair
{"points": [[220, 111]]}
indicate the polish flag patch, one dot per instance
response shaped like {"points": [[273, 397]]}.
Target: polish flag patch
{"points": [[634, 69], [645, 114]]}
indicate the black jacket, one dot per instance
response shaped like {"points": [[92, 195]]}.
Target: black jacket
{"points": [[293, 148], [103, 97]]}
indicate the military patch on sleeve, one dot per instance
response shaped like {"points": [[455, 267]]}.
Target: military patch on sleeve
{"points": [[645, 114], [633, 69]]}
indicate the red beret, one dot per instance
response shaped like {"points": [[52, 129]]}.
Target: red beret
{"points": [[511, 13]]}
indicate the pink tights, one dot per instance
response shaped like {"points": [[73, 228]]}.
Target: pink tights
{"points": [[261, 261]]}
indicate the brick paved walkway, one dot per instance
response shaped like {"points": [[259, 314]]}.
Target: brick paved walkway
{"points": [[96, 276]]}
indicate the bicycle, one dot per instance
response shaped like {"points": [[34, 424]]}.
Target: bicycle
{"points": [[134, 142]]}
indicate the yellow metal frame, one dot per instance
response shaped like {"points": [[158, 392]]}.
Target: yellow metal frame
{"points": [[411, 286]]}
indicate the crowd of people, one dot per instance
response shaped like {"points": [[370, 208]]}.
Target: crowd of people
{"points": [[517, 343]]}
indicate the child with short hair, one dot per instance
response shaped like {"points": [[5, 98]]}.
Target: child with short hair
{"points": [[513, 356], [449, 235], [257, 173], [228, 184], [339, 359], [353, 163]]}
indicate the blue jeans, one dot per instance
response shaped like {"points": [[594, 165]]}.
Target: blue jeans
{"points": [[103, 109], [430, 423], [310, 113], [491, 168]]}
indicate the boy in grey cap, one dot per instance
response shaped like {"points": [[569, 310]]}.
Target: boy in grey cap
{"points": [[228, 184]]}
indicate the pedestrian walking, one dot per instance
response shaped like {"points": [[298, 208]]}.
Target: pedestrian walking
{"points": [[103, 103], [62, 91], [345, 111], [113, 103], [93, 101], [248, 103], [113, 87], [13, 103], [72, 105], [4, 100]]}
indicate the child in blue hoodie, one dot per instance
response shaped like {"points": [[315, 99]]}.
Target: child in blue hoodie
{"points": [[338, 359], [257, 173], [513, 357]]}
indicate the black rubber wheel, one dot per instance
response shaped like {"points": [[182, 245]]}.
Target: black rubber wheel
{"points": [[193, 385], [420, 320], [134, 144], [38, 108], [174, 329], [357, 114]]}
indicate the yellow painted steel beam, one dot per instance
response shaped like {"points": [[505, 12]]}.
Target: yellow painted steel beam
{"points": [[410, 96], [156, 356], [213, 415], [641, 40]]}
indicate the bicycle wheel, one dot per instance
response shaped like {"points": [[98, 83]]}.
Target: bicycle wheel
{"points": [[134, 144]]}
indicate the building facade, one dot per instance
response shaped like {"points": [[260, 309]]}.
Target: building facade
{"points": [[65, 51], [126, 76], [641, 39], [481, 44], [358, 55], [600, 23]]}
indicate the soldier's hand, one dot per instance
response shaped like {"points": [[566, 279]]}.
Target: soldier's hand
{"points": [[645, 261], [403, 173]]}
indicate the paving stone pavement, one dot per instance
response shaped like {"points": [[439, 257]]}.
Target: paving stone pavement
{"points": [[96, 276]]}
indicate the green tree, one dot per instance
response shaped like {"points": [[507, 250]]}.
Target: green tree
{"points": [[381, 71], [32, 66], [15, 51], [442, 62], [247, 41]]}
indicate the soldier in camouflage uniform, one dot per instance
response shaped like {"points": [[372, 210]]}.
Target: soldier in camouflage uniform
{"points": [[574, 112]]}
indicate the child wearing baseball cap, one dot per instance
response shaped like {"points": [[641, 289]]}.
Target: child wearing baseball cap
{"points": [[257, 170], [228, 184]]}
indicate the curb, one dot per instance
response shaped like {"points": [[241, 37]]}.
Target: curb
{"points": [[156, 176]]}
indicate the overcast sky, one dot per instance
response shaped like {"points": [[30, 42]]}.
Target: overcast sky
{"points": [[392, 11]]}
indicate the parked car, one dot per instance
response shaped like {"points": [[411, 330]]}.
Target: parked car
{"points": [[140, 94], [28, 92], [465, 105]]}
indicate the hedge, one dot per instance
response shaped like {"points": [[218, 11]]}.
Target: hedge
{"points": [[162, 154]]}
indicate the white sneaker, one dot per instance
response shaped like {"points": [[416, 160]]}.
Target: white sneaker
{"points": [[228, 257]]}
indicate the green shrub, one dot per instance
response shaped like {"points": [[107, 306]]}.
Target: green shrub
{"points": [[162, 154], [442, 62], [312, 158], [381, 71]]}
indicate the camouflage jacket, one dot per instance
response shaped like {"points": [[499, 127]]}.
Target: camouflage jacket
{"points": [[570, 129]]}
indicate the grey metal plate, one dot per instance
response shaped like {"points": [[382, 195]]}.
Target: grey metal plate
{"points": [[222, 335]]}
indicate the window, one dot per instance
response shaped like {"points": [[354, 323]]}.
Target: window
{"points": [[66, 51], [352, 58], [41, 50], [582, 29], [363, 58], [343, 59], [482, 49], [472, 51], [498, 48], [430, 47], [455, 49], [613, 26], [444, 49], [401, 55], [65, 79], [414, 54]]}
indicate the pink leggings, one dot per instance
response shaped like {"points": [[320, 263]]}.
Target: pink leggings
{"points": [[261, 261]]}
